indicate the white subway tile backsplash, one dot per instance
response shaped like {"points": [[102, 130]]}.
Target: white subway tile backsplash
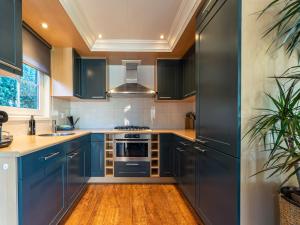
{"points": [[130, 111]]}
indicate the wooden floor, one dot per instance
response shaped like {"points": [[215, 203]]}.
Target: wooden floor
{"points": [[131, 204]]}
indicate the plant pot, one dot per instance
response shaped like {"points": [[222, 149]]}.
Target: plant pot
{"points": [[289, 211]]}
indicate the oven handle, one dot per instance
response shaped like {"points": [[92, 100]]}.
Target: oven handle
{"points": [[132, 142]]}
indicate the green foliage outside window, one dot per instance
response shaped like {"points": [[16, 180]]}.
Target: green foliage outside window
{"points": [[22, 92]]}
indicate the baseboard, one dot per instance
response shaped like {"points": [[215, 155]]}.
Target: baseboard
{"points": [[133, 180]]}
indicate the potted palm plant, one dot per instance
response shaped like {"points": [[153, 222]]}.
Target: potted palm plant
{"points": [[278, 127]]}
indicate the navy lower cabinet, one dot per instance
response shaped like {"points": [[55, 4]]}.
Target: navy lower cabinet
{"points": [[166, 155], [217, 187], [51, 180], [97, 155], [41, 186]]}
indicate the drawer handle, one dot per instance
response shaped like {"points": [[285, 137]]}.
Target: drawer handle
{"points": [[97, 97], [9, 65], [200, 149], [50, 156], [165, 97], [132, 164], [71, 156]]}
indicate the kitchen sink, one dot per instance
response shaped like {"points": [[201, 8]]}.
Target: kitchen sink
{"points": [[56, 134]]}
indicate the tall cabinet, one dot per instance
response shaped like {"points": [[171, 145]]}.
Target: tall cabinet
{"points": [[218, 112], [11, 36]]}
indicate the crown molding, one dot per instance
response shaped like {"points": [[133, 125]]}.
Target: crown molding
{"points": [[79, 21], [185, 13], [130, 45]]}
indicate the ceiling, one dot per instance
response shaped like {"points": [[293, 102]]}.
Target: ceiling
{"points": [[130, 25], [130, 28]]}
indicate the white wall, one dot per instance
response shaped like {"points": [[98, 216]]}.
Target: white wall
{"points": [[258, 195]]}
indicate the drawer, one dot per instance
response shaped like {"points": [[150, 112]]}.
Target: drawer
{"points": [[75, 144], [97, 137], [132, 169], [37, 161]]}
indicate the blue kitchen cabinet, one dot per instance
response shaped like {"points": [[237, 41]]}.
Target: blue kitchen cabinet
{"points": [[11, 36], [97, 155], [93, 78], [166, 155], [217, 187], [51, 180], [169, 79], [41, 186]]}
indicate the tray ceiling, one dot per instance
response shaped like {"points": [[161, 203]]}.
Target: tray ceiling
{"points": [[130, 25]]}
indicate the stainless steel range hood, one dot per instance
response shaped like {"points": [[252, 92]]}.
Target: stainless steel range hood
{"points": [[131, 88]]}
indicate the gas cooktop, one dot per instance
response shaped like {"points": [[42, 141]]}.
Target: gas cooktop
{"points": [[132, 128]]}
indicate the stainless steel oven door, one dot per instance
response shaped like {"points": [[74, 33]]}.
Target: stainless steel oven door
{"points": [[132, 150]]}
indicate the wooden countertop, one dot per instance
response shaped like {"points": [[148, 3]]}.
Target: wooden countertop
{"points": [[23, 145]]}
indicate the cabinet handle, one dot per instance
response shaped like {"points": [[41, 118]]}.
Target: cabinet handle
{"points": [[50, 156], [97, 97], [180, 149], [71, 156], [183, 143], [165, 97], [200, 149], [191, 93], [132, 164], [11, 66], [201, 141]]}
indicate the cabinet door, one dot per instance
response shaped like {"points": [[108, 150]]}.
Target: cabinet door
{"points": [[75, 174], [217, 195], [87, 166], [218, 68], [169, 79], [76, 75], [11, 36], [166, 155], [188, 174], [93, 77], [97, 161], [189, 73], [41, 195]]}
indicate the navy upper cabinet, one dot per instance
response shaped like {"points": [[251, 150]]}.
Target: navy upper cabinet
{"points": [[97, 155], [189, 73], [77, 92], [169, 79], [166, 155], [93, 78], [41, 186], [11, 36]]}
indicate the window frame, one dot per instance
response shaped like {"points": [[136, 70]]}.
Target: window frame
{"points": [[43, 112]]}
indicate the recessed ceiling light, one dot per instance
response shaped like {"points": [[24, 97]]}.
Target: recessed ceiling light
{"points": [[44, 25], [162, 36], [100, 36]]}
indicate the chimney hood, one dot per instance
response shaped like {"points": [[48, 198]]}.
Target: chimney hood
{"points": [[131, 88]]}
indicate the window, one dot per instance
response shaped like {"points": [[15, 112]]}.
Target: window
{"points": [[26, 95]]}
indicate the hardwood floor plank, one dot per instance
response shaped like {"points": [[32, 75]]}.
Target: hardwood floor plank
{"points": [[131, 204]]}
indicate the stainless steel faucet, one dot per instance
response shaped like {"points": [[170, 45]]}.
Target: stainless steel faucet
{"points": [[54, 127]]}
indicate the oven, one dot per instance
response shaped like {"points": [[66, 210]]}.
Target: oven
{"points": [[132, 147]]}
